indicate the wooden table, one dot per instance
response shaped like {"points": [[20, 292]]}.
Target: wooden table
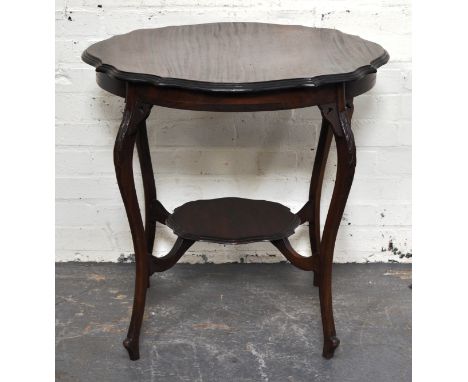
{"points": [[235, 67]]}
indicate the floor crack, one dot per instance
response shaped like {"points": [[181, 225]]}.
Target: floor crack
{"points": [[260, 360]]}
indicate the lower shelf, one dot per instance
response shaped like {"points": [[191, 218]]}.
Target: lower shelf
{"points": [[233, 221]]}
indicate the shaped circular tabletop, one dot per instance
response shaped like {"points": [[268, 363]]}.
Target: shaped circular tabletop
{"points": [[236, 56]]}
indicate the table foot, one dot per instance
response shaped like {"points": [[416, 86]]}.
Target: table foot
{"points": [[329, 346], [133, 348]]}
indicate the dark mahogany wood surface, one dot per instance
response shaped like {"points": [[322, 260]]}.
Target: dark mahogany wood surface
{"points": [[236, 67], [235, 57], [233, 220]]}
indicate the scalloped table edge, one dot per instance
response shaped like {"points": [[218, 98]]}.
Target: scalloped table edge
{"points": [[292, 83]]}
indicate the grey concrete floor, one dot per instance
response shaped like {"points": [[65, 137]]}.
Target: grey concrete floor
{"points": [[233, 322]]}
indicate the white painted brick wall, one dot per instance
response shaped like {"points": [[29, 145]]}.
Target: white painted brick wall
{"points": [[265, 155]]}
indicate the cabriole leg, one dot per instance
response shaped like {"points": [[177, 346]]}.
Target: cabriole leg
{"points": [[149, 186], [315, 192], [134, 114], [338, 115]]}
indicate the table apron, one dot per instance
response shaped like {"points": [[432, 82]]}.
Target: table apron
{"points": [[186, 99]]}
